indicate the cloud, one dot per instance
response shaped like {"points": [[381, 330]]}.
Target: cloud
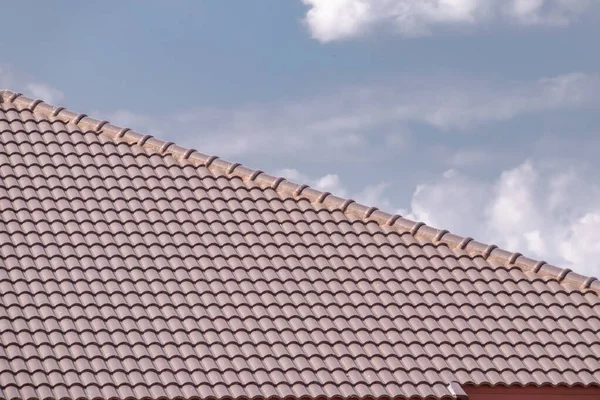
{"points": [[330, 20], [328, 183], [13, 80], [372, 195], [348, 120], [477, 105], [545, 210], [44, 91]]}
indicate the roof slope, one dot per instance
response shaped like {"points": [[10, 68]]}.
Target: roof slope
{"points": [[134, 268]]}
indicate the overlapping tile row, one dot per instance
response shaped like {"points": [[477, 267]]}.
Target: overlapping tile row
{"points": [[128, 274]]}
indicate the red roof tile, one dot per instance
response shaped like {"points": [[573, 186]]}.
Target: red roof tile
{"points": [[134, 268]]}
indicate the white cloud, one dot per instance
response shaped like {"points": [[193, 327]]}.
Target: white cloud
{"points": [[583, 247], [374, 195], [43, 91], [546, 211], [476, 105], [371, 195], [346, 120], [330, 20], [13, 80], [328, 183]]}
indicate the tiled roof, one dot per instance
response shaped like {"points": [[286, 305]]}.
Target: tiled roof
{"points": [[132, 268]]}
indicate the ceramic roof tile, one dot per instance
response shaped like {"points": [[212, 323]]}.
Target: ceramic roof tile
{"points": [[130, 268]]}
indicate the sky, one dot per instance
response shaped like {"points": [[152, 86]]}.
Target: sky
{"points": [[476, 116]]}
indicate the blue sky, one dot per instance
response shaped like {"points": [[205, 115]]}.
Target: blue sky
{"points": [[476, 116]]}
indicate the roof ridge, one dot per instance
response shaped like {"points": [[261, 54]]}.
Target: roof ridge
{"points": [[281, 185]]}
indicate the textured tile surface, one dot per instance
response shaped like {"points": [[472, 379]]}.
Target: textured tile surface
{"points": [[125, 273]]}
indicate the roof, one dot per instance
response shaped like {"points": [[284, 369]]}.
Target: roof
{"points": [[132, 268]]}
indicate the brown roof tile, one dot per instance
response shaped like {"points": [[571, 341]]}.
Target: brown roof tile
{"points": [[134, 268]]}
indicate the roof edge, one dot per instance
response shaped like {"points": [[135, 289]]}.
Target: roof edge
{"points": [[281, 185]]}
